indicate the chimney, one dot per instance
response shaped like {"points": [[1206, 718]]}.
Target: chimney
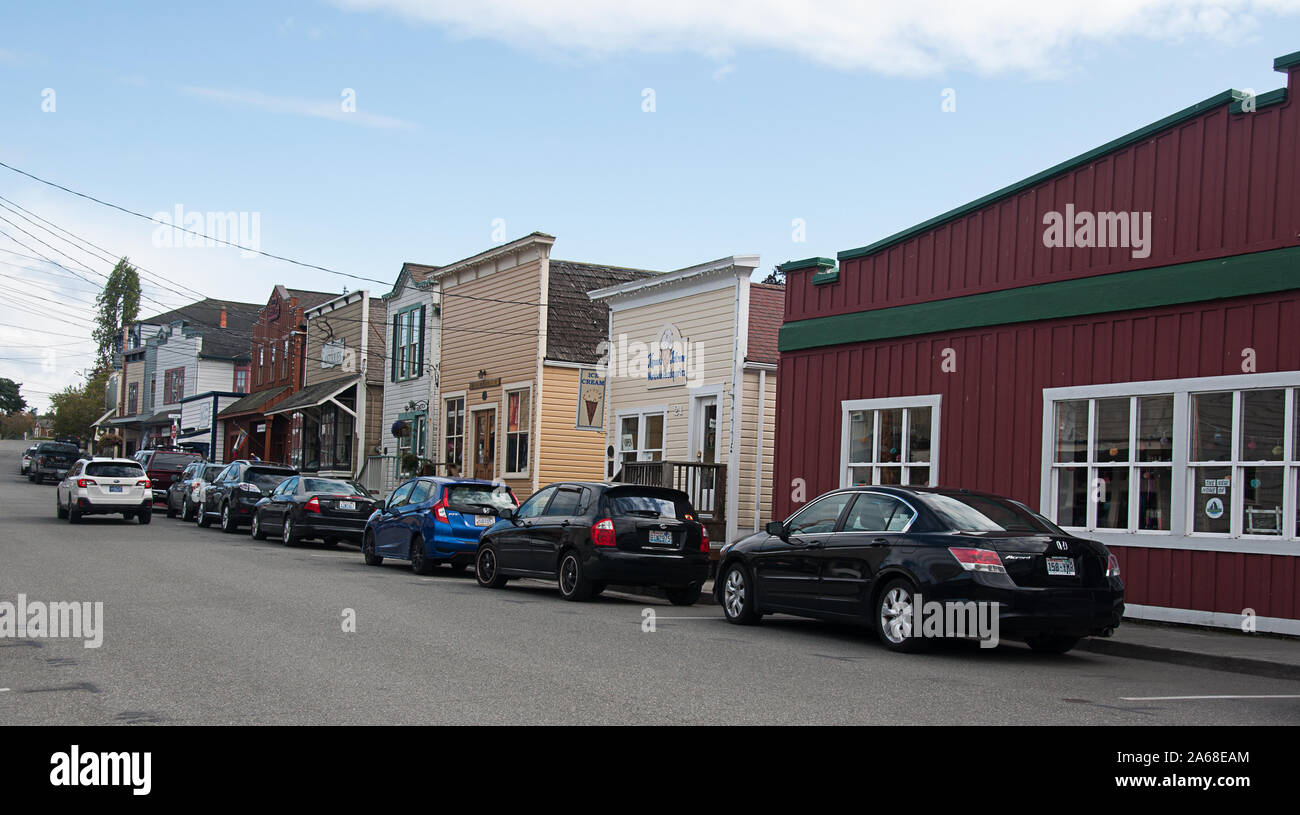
{"points": [[223, 317]]}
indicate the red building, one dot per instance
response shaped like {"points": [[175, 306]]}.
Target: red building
{"points": [[274, 373], [1114, 341]]}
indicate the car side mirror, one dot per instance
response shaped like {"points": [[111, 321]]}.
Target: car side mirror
{"points": [[507, 515], [776, 529]]}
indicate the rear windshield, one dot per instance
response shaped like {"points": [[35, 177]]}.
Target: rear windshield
{"points": [[210, 472], [475, 497], [59, 449], [979, 513], [171, 461], [649, 504], [109, 469], [331, 486], [266, 479]]}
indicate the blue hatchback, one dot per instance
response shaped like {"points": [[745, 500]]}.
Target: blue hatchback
{"points": [[432, 520]]}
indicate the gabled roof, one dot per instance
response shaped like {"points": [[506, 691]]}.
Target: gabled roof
{"points": [[206, 313], [416, 272], [252, 403], [317, 394], [308, 299], [766, 312], [576, 324]]}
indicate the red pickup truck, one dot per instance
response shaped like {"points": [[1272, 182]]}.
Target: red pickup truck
{"points": [[163, 466]]}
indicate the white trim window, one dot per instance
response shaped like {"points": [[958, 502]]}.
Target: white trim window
{"points": [[641, 435], [518, 423], [453, 454], [890, 441], [1202, 460]]}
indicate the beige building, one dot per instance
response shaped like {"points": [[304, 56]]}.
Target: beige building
{"points": [[692, 388], [335, 419], [516, 331]]}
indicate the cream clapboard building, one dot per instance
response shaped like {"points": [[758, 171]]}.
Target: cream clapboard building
{"points": [[692, 387]]}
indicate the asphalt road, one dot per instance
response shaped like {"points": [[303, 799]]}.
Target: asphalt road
{"points": [[207, 628]]}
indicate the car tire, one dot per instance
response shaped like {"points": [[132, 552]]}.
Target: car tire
{"points": [[38, 479], [228, 524], [59, 511], [187, 510], [287, 534], [738, 600], [573, 584], [1052, 643], [685, 596], [487, 569], [368, 550], [144, 516], [892, 602], [420, 563], [255, 527], [171, 512], [74, 517], [202, 518]]}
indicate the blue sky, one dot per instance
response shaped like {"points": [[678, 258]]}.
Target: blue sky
{"points": [[533, 113]]}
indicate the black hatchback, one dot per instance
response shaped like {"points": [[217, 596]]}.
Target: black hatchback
{"points": [[587, 535], [876, 555]]}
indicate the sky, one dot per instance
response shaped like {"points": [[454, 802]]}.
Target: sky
{"points": [[360, 134]]}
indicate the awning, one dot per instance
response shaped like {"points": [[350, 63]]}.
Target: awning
{"points": [[315, 395], [252, 403], [162, 417], [124, 420], [201, 435], [101, 419]]}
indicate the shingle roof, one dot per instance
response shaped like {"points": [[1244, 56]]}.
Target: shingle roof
{"points": [[575, 324], [313, 395], [252, 403], [766, 311], [204, 317], [311, 299]]}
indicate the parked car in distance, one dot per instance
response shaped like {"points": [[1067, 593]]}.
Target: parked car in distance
{"points": [[100, 486], [27, 460], [306, 507], [164, 466], [236, 490], [862, 554], [183, 494], [51, 460], [433, 520], [586, 535]]}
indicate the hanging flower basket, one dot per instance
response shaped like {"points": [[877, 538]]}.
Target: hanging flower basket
{"points": [[109, 440], [401, 429]]}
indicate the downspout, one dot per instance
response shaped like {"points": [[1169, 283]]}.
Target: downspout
{"points": [[758, 458], [363, 386]]}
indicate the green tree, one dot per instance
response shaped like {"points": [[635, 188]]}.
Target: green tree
{"points": [[775, 277], [117, 305], [15, 425], [10, 400], [76, 406]]}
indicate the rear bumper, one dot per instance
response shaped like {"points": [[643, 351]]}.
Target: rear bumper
{"points": [[647, 569], [102, 507], [332, 528], [1025, 611], [459, 551]]}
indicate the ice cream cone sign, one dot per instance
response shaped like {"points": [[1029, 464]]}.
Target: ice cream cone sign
{"points": [[591, 400]]}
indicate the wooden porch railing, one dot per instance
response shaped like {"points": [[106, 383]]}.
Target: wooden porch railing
{"points": [[705, 484]]}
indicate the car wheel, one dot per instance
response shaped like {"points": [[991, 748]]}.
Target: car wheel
{"points": [[187, 510], [255, 528], [1052, 644], [486, 568], [74, 517], [895, 617], [228, 519], [687, 596], [573, 584], [59, 511], [368, 550], [288, 536], [144, 516], [738, 596], [171, 511], [420, 564], [38, 479], [201, 518]]}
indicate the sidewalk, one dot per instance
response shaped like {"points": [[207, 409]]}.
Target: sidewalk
{"points": [[1220, 650]]}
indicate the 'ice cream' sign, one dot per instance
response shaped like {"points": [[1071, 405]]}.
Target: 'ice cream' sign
{"points": [[591, 400]]}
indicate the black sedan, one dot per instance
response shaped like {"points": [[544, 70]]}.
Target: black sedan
{"points": [[893, 557], [306, 507], [236, 490], [586, 535]]}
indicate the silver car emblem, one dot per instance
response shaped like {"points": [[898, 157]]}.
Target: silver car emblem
{"points": [[663, 526], [1063, 546]]}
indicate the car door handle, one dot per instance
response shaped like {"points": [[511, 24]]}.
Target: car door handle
{"points": [[565, 524], [879, 541], [815, 544]]}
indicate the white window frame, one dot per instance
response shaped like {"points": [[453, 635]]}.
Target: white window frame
{"points": [[526, 427], [848, 407], [1180, 535], [443, 437], [641, 451]]}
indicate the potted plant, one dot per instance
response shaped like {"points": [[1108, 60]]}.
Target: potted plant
{"points": [[410, 461]]}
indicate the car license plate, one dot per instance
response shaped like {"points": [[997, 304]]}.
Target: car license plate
{"points": [[114, 489], [1060, 566], [660, 538], [484, 520], [348, 506]]}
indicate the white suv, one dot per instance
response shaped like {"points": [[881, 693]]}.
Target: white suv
{"points": [[101, 486]]}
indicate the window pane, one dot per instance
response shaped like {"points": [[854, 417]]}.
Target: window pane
{"points": [[1155, 428], [861, 426], [819, 517], [918, 476], [877, 513], [918, 434], [654, 432], [891, 436], [1155, 493], [1111, 438], [1072, 430], [1072, 496], [859, 476], [891, 475], [1112, 509], [1262, 504], [1211, 427], [628, 436], [1211, 497], [1263, 414]]}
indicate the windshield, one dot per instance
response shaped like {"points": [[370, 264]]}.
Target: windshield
{"points": [[171, 461], [648, 505], [473, 497], [109, 469], [58, 449], [211, 471], [331, 486], [978, 513], [266, 480]]}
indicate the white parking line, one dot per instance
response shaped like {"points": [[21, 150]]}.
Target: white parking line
{"points": [[1199, 698]]}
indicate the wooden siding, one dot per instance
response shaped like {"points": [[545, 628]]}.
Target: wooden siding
{"points": [[568, 454], [748, 438]]}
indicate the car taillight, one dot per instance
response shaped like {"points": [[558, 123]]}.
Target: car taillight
{"points": [[602, 532], [440, 510], [313, 505], [1112, 566], [978, 560], [144, 482], [704, 538], [82, 483]]}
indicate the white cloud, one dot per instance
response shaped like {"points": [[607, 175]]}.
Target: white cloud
{"points": [[297, 107], [921, 37]]}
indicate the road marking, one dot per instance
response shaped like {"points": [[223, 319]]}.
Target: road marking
{"points": [[1198, 698], [2, 690]]}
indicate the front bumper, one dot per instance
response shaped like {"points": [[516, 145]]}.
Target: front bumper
{"points": [[647, 569]]}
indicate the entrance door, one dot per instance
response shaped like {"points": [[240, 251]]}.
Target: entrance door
{"points": [[485, 444], [704, 449]]}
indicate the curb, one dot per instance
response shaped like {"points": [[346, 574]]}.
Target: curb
{"points": [[1194, 659]]}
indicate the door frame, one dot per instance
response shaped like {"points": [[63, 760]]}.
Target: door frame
{"points": [[695, 413], [472, 422]]}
